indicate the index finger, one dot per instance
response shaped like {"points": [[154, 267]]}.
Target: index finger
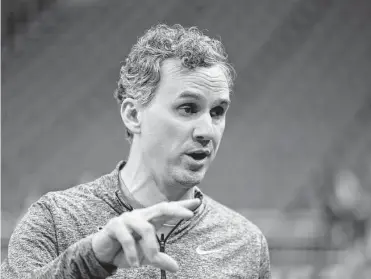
{"points": [[178, 209], [191, 204]]}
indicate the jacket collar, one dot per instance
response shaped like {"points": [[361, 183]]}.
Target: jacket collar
{"points": [[108, 188]]}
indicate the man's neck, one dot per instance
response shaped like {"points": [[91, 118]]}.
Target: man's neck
{"points": [[138, 184]]}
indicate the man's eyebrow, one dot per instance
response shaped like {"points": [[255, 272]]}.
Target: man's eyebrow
{"points": [[198, 96]]}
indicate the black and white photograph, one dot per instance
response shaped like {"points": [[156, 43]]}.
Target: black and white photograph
{"points": [[178, 139]]}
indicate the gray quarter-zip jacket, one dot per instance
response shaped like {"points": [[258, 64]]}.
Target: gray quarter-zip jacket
{"points": [[53, 239]]}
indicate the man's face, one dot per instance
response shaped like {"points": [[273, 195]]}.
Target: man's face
{"points": [[182, 127]]}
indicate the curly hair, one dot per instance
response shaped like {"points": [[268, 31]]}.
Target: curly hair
{"points": [[140, 73]]}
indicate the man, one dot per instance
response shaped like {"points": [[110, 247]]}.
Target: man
{"points": [[148, 218]]}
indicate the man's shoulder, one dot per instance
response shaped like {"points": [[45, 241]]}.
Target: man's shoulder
{"points": [[83, 190], [75, 195], [231, 218], [96, 187]]}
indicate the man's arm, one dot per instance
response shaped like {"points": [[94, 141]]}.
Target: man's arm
{"points": [[265, 269], [33, 251]]}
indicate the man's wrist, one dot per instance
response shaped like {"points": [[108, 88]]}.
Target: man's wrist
{"points": [[100, 267]]}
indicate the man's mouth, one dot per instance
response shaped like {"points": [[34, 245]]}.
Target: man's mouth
{"points": [[199, 155]]}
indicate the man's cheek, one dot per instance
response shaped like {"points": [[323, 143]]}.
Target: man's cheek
{"points": [[177, 138]]}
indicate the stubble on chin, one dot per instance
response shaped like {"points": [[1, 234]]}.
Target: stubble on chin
{"points": [[189, 178], [182, 174]]}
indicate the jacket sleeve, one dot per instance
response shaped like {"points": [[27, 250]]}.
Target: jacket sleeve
{"points": [[33, 251], [265, 269]]}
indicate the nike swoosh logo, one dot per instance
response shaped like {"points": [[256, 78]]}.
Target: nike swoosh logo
{"points": [[205, 252]]}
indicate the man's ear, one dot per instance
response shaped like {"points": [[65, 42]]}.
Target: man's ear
{"points": [[130, 114]]}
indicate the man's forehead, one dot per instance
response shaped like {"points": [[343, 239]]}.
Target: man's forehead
{"points": [[173, 66], [212, 77]]}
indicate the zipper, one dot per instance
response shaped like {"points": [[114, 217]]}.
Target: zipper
{"points": [[162, 249], [162, 242]]}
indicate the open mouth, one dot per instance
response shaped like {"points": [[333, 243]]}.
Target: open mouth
{"points": [[198, 156]]}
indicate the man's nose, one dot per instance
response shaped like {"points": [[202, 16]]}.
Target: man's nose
{"points": [[204, 131]]}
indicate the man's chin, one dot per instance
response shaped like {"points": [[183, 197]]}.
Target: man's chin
{"points": [[188, 177], [192, 178]]}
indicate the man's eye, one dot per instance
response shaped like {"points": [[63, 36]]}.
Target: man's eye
{"points": [[188, 109], [217, 111]]}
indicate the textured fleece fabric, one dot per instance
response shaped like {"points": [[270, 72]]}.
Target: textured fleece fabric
{"points": [[53, 239]]}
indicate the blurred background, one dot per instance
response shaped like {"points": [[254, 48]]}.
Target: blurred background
{"points": [[296, 154]]}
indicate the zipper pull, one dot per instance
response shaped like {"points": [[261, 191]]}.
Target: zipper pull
{"points": [[162, 249], [162, 243]]}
